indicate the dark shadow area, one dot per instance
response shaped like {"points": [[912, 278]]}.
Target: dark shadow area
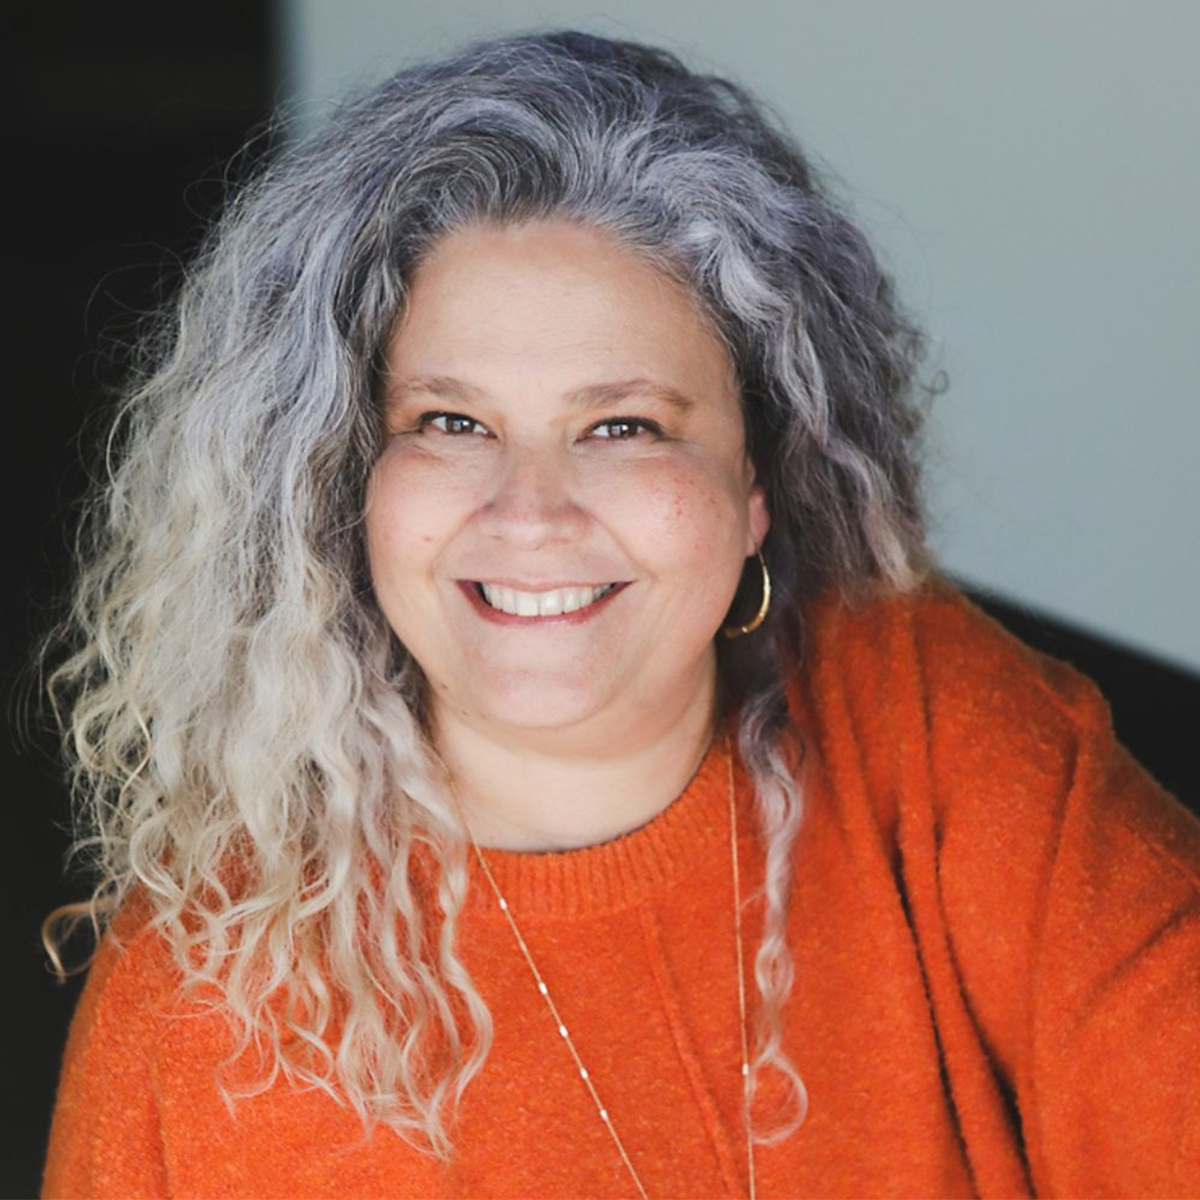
{"points": [[121, 121]]}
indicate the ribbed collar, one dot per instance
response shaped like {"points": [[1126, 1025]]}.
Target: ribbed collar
{"points": [[571, 884]]}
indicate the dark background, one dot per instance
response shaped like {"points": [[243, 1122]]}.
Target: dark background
{"points": [[121, 124], [128, 125]]}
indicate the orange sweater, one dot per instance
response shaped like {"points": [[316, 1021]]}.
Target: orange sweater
{"points": [[996, 930]]}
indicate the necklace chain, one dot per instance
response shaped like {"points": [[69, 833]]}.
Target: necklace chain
{"points": [[561, 1025]]}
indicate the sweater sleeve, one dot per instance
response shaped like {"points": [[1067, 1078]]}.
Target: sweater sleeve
{"points": [[1071, 883], [1113, 1075], [104, 1136]]}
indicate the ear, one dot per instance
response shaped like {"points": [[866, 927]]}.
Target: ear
{"points": [[759, 522]]}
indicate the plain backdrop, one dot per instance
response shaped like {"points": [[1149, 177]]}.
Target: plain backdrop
{"points": [[1029, 170]]}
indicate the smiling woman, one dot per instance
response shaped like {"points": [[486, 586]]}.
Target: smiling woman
{"points": [[520, 742], [533, 493]]}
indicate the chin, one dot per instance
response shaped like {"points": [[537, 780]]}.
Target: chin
{"points": [[537, 706]]}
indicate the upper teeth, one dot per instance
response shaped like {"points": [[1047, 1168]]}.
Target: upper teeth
{"points": [[542, 604]]}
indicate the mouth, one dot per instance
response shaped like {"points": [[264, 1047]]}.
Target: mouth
{"points": [[566, 605]]}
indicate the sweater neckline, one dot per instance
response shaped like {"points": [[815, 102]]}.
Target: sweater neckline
{"points": [[622, 872]]}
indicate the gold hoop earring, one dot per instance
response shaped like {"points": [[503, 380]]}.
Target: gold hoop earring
{"points": [[732, 631]]}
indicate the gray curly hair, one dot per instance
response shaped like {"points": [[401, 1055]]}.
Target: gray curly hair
{"points": [[229, 689]]}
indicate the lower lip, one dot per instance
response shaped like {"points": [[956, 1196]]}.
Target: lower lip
{"points": [[485, 610]]}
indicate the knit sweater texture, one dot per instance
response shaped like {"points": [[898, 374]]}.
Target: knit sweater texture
{"points": [[995, 926]]}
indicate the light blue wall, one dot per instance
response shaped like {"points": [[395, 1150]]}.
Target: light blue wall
{"points": [[1030, 170]]}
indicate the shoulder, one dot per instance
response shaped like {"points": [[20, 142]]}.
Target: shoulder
{"points": [[935, 648], [933, 712], [134, 948], [947, 710], [931, 664], [939, 632], [103, 1135], [130, 984]]}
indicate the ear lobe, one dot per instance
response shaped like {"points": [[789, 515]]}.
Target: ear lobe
{"points": [[759, 522]]}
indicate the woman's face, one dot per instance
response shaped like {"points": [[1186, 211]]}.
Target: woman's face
{"points": [[558, 415]]}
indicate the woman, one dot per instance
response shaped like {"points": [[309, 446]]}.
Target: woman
{"points": [[527, 750]]}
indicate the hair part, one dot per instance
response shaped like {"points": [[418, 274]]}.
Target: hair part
{"points": [[246, 733]]}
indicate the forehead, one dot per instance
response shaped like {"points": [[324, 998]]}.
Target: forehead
{"points": [[556, 297]]}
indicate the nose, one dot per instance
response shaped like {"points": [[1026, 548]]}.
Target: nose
{"points": [[532, 498]]}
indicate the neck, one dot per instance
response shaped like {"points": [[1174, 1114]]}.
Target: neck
{"points": [[546, 790]]}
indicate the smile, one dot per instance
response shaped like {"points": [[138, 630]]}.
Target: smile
{"points": [[558, 606]]}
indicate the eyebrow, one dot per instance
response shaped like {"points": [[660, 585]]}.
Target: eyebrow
{"points": [[592, 395]]}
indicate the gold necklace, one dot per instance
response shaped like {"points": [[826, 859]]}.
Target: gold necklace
{"points": [[562, 1028]]}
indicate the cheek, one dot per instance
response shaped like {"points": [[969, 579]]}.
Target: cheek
{"points": [[684, 515], [410, 511]]}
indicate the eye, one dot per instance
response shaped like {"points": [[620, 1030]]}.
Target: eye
{"points": [[620, 429], [455, 423], [629, 425]]}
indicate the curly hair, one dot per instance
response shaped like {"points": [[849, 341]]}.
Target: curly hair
{"points": [[246, 734]]}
